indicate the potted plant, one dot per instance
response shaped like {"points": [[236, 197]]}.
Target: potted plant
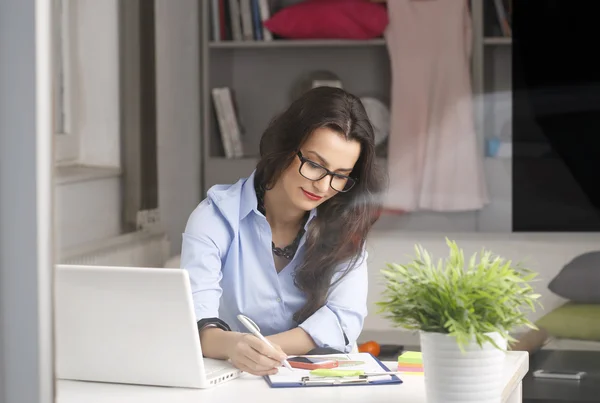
{"points": [[463, 311]]}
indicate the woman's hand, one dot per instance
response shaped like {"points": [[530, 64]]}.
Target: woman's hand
{"points": [[250, 354]]}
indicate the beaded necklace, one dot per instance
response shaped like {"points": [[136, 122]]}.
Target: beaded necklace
{"points": [[289, 251]]}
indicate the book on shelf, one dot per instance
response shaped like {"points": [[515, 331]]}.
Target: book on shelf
{"points": [[228, 121], [240, 20]]}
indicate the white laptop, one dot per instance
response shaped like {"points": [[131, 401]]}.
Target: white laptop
{"points": [[130, 325]]}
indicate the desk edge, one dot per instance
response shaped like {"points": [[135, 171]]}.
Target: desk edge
{"points": [[518, 375]]}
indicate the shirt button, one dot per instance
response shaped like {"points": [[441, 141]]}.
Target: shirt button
{"points": [[278, 299]]}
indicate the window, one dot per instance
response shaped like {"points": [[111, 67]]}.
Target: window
{"points": [[104, 99], [66, 141]]}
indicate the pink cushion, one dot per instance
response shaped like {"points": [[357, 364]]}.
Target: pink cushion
{"points": [[330, 19]]}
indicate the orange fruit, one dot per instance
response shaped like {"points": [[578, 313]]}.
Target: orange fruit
{"points": [[370, 347]]}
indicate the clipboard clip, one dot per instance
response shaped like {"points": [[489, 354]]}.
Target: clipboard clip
{"points": [[308, 381]]}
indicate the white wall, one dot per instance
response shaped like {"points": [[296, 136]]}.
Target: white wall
{"points": [[178, 103], [87, 211]]}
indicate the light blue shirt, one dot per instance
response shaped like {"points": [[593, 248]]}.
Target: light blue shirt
{"points": [[227, 251]]}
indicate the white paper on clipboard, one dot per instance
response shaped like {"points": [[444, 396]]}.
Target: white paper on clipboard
{"points": [[368, 364]]}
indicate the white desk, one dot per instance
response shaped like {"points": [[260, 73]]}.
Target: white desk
{"points": [[250, 388]]}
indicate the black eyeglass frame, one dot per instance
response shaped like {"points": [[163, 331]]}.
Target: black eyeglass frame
{"points": [[304, 160]]}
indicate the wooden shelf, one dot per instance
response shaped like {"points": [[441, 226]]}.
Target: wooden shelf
{"points": [[283, 43], [500, 40], [249, 161]]}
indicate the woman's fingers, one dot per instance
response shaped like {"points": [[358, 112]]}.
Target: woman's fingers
{"points": [[254, 356], [253, 365], [243, 365], [261, 362], [275, 353]]}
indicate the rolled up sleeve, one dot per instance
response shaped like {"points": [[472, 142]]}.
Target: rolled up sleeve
{"points": [[203, 243], [339, 322]]}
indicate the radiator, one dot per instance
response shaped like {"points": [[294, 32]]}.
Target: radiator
{"points": [[148, 248]]}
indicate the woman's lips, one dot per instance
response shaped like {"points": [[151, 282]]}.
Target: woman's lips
{"points": [[311, 196]]}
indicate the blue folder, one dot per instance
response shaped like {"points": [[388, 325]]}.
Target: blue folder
{"points": [[330, 382]]}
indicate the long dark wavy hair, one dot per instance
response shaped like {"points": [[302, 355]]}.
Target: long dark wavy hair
{"points": [[337, 235]]}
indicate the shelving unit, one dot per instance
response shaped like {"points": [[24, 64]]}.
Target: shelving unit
{"points": [[492, 88], [334, 43], [262, 75], [497, 41]]}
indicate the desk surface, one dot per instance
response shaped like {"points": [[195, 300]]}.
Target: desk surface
{"points": [[250, 388]]}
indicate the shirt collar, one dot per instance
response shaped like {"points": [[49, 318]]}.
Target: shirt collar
{"points": [[248, 199], [313, 214], [249, 202]]}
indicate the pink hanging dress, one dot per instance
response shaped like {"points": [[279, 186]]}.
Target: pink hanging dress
{"points": [[435, 161]]}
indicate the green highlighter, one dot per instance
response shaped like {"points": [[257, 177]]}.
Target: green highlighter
{"points": [[341, 373]]}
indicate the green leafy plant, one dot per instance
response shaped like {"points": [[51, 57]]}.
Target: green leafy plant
{"points": [[488, 295]]}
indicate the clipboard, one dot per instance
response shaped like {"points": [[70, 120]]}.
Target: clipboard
{"points": [[305, 380]]}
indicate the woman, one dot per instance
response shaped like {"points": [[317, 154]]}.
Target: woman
{"points": [[286, 246]]}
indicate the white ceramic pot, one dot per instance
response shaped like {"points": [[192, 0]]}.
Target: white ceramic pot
{"points": [[452, 376]]}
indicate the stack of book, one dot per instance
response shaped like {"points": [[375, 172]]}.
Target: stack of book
{"points": [[228, 121], [411, 363], [240, 20]]}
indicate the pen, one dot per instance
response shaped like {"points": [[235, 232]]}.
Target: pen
{"points": [[253, 328]]}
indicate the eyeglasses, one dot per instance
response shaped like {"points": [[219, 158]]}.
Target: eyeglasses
{"points": [[315, 172]]}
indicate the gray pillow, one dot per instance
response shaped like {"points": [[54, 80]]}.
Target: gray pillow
{"points": [[579, 280]]}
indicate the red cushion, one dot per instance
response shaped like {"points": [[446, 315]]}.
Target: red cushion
{"points": [[330, 19]]}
